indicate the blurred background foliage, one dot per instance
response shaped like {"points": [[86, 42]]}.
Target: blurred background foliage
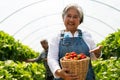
{"points": [[111, 45]]}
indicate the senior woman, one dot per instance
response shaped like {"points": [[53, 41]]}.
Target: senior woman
{"points": [[71, 39]]}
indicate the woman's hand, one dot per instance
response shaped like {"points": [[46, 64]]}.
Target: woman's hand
{"points": [[97, 51], [64, 73]]}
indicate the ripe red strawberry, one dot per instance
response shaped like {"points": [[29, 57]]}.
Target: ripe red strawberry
{"points": [[82, 56], [75, 58], [67, 54], [73, 53]]}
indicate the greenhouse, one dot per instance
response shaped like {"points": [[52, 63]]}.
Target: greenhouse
{"points": [[26, 22]]}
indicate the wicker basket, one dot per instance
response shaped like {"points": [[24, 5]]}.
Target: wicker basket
{"points": [[79, 67]]}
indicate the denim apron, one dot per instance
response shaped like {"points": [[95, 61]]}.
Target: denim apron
{"points": [[76, 44]]}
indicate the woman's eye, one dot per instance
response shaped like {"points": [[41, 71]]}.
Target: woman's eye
{"points": [[69, 16], [74, 17]]}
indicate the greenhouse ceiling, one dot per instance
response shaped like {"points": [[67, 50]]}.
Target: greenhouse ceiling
{"points": [[32, 20]]}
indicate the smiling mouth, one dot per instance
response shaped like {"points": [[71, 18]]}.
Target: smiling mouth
{"points": [[71, 24]]}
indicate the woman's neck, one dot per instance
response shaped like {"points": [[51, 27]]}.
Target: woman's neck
{"points": [[72, 31]]}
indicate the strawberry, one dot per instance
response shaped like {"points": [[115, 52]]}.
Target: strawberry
{"points": [[82, 56], [79, 56], [66, 54], [74, 56]]}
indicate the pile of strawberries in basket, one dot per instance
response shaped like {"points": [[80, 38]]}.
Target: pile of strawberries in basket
{"points": [[74, 56]]}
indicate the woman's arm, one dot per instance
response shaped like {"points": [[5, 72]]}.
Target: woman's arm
{"points": [[95, 52], [53, 55]]}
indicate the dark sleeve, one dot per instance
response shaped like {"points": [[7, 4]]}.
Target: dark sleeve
{"points": [[39, 58]]}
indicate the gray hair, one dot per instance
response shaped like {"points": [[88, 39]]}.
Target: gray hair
{"points": [[75, 6]]}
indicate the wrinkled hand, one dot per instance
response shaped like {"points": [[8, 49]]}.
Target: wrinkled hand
{"points": [[96, 51], [64, 73]]}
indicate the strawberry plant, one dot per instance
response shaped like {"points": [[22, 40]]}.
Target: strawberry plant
{"points": [[107, 69], [111, 45], [10, 70], [14, 50]]}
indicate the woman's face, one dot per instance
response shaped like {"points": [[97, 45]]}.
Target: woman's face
{"points": [[71, 20]]}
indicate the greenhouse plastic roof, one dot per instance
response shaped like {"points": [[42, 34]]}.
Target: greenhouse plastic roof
{"points": [[32, 20]]}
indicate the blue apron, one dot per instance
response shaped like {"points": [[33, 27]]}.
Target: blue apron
{"points": [[78, 45]]}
